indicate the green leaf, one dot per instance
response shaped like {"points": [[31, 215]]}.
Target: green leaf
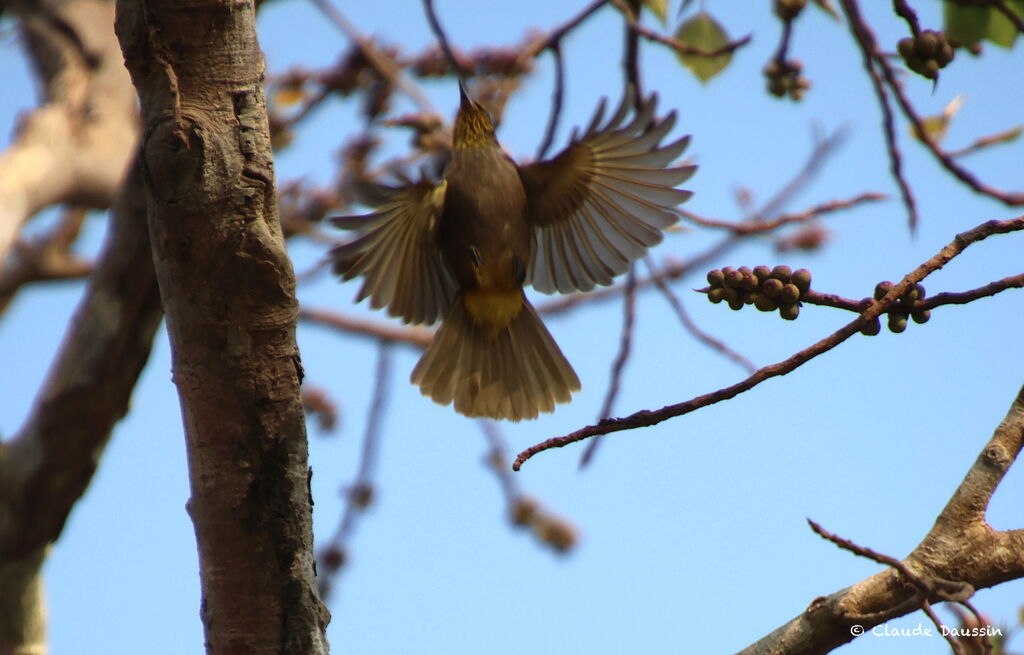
{"points": [[965, 25], [659, 8], [969, 25], [703, 32]]}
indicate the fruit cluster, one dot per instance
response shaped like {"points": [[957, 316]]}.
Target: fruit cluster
{"points": [[784, 78], [926, 53], [766, 288], [906, 306], [789, 9]]}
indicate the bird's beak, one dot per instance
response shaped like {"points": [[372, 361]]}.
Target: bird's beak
{"points": [[465, 102]]}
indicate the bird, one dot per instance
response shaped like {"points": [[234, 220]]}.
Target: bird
{"points": [[461, 249]]}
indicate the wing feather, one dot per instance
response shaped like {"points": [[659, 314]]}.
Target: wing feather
{"points": [[602, 202], [397, 256]]}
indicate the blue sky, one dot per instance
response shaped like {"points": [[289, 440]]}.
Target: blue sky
{"points": [[692, 533]]}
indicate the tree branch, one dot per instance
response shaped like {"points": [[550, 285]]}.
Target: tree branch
{"points": [[228, 290], [960, 549], [645, 418], [47, 465], [75, 148]]}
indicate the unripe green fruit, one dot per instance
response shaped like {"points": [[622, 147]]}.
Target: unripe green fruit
{"points": [[802, 279], [930, 69], [736, 303], [871, 328], [772, 287], [750, 297], [906, 48], [733, 279], [929, 42], [716, 295], [944, 55], [716, 278], [921, 316], [782, 273], [789, 294], [897, 322], [765, 304], [762, 272], [749, 282], [789, 312]]}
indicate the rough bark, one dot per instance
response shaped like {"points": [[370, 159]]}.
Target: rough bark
{"points": [[228, 292], [961, 548]]}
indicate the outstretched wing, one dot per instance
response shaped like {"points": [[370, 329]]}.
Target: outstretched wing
{"points": [[398, 255], [602, 202]]}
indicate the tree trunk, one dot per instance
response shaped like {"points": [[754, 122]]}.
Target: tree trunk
{"points": [[228, 292]]}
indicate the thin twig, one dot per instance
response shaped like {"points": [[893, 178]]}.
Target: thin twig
{"points": [[414, 336], [647, 417], [442, 38], [907, 13], [1003, 136], [869, 47], [812, 297], [359, 494], [556, 102], [684, 317], [675, 44], [759, 226], [865, 39], [619, 365], [925, 588], [823, 149], [381, 62]]}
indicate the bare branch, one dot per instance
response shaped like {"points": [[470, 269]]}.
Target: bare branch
{"points": [[75, 148], [619, 364], [646, 417], [416, 336], [961, 553]]}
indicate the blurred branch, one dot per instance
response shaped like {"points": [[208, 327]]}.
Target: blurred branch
{"points": [[48, 463], [525, 511], [862, 34], [76, 146], [359, 495], [874, 57], [715, 344], [619, 364], [645, 418], [45, 258], [756, 226], [384, 64], [414, 336], [675, 44], [982, 142], [442, 38]]}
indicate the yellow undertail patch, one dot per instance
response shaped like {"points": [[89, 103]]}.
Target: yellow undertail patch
{"points": [[493, 310]]}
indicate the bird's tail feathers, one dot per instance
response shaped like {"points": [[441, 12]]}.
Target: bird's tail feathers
{"points": [[513, 375]]}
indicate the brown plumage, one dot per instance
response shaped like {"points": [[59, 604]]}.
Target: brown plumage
{"points": [[462, 249]]}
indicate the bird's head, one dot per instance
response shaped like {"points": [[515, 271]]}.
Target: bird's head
{"points": [[473, 125]]}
